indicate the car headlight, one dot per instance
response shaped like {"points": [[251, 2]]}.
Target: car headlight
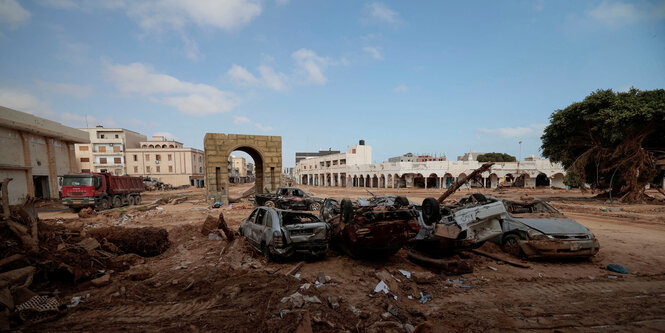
{"points": [[537, 235], [590, 235]]}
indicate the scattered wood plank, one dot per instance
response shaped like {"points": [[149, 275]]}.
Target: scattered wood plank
{"points": [[463, 181], [295, 268], [6, 261], [509, 262]]}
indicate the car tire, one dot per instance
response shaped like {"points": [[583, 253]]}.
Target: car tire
{"points": [[401, 202], [269, 203], [315, 206], [431, 211], [346, 210], [511, 245]]}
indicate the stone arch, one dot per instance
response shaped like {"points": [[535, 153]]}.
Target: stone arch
{"points": [[433, 180], [542, 180], [266, 151], [171, 146], [382, 181], [151, 146], [163, 146], [389, 180], [144, 146], [419, 180], [375, 181], [361, 181]]}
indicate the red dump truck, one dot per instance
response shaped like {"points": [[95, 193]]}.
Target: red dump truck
{"points": [[100, 190]]}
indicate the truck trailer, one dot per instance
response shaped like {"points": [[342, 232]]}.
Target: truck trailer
{"points": [[100, 191]]}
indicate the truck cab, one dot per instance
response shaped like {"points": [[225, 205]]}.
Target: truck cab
{"points": [[100, 190]]}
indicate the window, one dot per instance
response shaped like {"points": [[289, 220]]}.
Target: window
{"points": [[101, 136], [169, 157], [116, 136], [85, 159], [83, 148], [170, 168], [116, 149], [267, 221], [85, 170], [158, 157], [101, 149], [147, 157], [117, 160], [157, 167], [136, 158], [136, 169], [102, 160], [200, 159], [200, 169], [259, 217], [147, 169]]}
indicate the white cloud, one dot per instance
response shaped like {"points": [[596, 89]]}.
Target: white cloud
{"points": [[269, 78], [620, 13], [75, 90], [379, 12], [167, 135], [190, 98], [25, 102], [12, 14], [176, 14], [311, 66], [262, 127], [532, 131], [191, 49], [240, 120], [374, 52], [401, 88]]}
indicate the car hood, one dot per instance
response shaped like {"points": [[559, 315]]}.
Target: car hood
{"points": [[554, 225]]}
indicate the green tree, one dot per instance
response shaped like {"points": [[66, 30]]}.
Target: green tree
{"points": [[496, 157], [610, 137]]}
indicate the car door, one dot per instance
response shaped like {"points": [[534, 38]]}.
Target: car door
{"points": [[258, 227], [247, 225]]}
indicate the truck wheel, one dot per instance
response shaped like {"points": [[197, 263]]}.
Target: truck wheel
{"points": [[137, 199], [104, 204], [346, 210], [269, 203], [130, 200], [315, 206], [117, 202], [431, 211]]}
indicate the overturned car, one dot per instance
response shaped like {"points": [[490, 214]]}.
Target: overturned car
{"points": [[278, 233], [536, 229], [371, 227]]}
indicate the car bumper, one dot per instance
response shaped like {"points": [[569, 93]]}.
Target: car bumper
{"points": [[79, 202], [557, 248], [313, 248]]}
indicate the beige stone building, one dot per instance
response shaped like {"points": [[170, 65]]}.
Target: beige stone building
{"points": [[167, 161], [106, 150], [35, 152]]}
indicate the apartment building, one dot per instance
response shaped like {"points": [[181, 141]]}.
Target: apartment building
{"points": [[106, 150], [167, 161]]}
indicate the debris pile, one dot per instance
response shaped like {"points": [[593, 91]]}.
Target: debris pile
{"points": [[147, 242]]}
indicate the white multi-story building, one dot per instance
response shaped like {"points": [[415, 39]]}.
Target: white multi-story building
{"points": [[354, 169], [106, 150]]}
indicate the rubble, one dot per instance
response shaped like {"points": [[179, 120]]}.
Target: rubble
{"points": [[148, 242]]}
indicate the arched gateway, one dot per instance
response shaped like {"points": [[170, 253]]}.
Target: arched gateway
{"points": [[265, 150]]}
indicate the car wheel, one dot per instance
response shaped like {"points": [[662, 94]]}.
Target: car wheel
{"points": [[431, 211], [511, 245], [315, 206], [269, 203], [401, 202]]}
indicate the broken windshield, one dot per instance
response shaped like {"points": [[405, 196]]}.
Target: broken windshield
{"points": [[298, 218]]}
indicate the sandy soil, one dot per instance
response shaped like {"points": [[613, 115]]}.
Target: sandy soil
{"points": [[200, 284]]}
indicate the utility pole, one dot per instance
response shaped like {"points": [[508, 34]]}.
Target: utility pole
{"points": [[519, 159]]}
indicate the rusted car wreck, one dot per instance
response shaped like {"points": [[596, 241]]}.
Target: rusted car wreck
{"points": [[375, 227]]}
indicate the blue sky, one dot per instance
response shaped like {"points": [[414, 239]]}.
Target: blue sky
{"points": [[426, 77]]}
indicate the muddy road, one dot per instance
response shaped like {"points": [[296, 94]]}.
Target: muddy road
{"points": [[202, 284]]}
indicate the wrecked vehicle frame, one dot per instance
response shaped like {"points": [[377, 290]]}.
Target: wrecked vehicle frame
{"points": [[538, 230]]}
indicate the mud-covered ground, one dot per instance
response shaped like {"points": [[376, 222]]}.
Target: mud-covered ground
{"points": [[202, 284]]}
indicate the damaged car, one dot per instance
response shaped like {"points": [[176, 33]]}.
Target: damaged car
{"points": [[536, 229], [375, 227], [470, 222], [278, 233], [289, 198]]}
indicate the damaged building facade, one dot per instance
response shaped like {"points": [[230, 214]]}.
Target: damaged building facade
{"points": [[35, 153], [354, 169]]}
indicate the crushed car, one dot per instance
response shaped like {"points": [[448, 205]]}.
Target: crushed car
{"points": [[536, 229], [375, 227], [278, 233], [289, 198]]}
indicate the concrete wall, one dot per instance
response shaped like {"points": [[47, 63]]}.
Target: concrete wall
{"points": [[266, 151]]}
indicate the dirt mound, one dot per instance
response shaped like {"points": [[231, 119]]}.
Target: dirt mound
{"points": [[87, 212], [147, 242]]}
